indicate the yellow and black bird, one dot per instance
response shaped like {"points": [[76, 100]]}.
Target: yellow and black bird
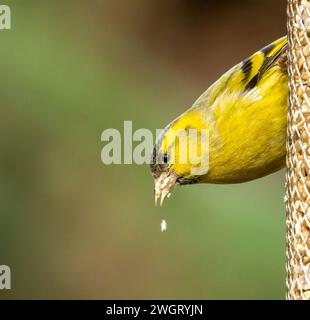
{"points": [[245, 113]]}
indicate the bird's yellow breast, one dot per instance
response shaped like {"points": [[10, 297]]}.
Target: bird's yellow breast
{"points": [[248, 133]]}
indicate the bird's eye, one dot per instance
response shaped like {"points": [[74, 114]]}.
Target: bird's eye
{"points": [[165, 158]]}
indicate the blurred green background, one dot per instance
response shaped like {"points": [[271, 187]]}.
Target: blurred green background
{"points": [[72, 227]]}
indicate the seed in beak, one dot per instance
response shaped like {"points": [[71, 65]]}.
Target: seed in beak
{"points": [[163, 187]]}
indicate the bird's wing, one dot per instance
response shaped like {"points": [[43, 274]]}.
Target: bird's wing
{"points": [[245, 76], [259, 63]]}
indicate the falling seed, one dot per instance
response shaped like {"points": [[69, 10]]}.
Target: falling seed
{"points": [[163, 225]]}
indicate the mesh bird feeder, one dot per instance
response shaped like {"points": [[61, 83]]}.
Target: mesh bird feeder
{"points": [[298, 152]]}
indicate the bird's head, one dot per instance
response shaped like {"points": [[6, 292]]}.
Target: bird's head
{"points": [[172, 162]]}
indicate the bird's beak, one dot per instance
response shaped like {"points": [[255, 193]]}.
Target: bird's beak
{"points": [[164, 185]]}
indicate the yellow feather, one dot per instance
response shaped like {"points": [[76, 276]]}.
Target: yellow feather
{"points": [[247, 125]]}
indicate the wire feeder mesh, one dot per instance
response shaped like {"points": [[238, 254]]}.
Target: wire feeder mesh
{"points": [[298, 152]]}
